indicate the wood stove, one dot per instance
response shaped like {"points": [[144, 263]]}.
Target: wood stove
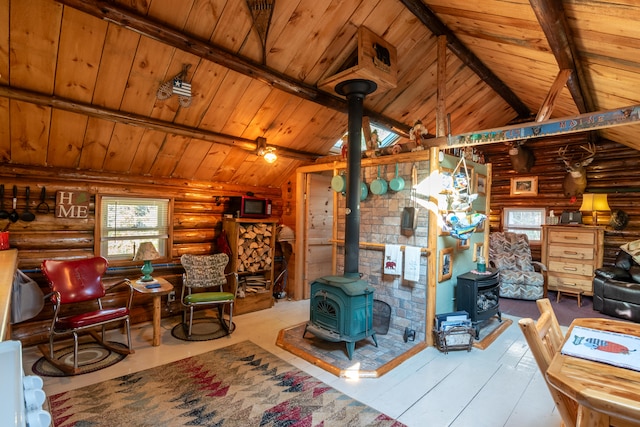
{"points": [[479, 295], [341, 310]]}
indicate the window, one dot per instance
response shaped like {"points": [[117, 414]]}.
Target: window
{"points": [[523, 220], [127, 222], [385, 139]]}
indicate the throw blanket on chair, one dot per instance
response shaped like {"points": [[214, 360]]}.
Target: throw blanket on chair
{"points": [[511, 255]]}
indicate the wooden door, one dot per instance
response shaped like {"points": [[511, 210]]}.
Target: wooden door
{"points": [[318, 228]]}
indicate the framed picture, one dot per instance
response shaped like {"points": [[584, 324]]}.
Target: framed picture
{"points": [[462, 245], [524, 186], [446, 264], [480, 227], [481, 185], [478, 249]]}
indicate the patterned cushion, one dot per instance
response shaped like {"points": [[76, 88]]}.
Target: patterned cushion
{"points": [[511, 255], [204, 271]]}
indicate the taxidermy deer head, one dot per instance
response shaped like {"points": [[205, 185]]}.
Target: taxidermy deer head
{"points": [[576, 179], [522, 159]]}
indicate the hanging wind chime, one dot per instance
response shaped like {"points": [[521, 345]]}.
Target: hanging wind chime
{"points": [[458, 220]]}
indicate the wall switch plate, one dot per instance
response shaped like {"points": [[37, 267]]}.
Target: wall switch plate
{"points": [[171, 296]]}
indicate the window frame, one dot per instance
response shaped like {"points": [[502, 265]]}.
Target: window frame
{"points": [[121, 260], [523, 228]]}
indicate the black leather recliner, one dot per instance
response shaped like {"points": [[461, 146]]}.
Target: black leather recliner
{"points": [[616, 290]]}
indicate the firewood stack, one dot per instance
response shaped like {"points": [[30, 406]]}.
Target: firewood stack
{"points": [[254, 247]]}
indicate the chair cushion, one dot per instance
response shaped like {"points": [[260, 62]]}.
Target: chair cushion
{"points": [[203, 271], [208, 297], [88, 319]]}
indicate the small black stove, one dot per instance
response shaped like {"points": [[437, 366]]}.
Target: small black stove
{"points": [[479, 295]]}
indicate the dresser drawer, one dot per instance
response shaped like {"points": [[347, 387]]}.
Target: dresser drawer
{"points": [[573, 237], [571, 268], [556, 281], [557, 251]]}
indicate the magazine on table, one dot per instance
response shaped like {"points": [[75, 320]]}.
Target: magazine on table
{"points": [[613, 348]]}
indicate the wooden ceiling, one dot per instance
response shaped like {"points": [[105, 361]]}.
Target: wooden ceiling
{"points": [[79, 78]]}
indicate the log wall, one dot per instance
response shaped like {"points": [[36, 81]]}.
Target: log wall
{"points": [[197, 220], [614, 170]]}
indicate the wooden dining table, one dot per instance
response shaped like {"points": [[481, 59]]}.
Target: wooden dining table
{"points": [[606, 394]]}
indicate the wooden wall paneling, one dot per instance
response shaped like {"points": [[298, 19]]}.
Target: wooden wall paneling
{"points": [[65, 139], [81, 40], [116, 62], [233, 30], [122, 147], [231, 89], [169, 155], [206, 161], [96, 139], [29, 133], [5, 130], [34, 44], [248, 105], [147, 150]]}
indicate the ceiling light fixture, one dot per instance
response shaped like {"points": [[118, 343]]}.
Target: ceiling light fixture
{"points": [[269, 153]]}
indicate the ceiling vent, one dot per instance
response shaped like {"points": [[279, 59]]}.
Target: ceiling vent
{"points": [[372, 59]]}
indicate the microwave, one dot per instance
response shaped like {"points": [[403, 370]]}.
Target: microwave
{"points": [[249, 207]]}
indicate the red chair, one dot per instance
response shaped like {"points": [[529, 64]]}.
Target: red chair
{"points": [[77, 289]]}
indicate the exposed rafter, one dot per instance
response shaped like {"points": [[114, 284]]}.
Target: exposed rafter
{"points": [[144, 122], [552, 19], [437, 27], [172, 37]]}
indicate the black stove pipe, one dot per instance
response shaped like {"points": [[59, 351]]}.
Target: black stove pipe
{"points": [[355, 91]]}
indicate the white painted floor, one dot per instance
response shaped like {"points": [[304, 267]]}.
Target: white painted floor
{"points": [[499, 386]]}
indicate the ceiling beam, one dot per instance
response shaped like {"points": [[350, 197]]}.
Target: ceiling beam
{"points": [[554, 24], [552, 96], [567, 125], [437, 27], [146, 122], [147, 27]]}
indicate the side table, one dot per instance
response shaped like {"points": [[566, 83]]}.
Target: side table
{"points": [[164, 289]]}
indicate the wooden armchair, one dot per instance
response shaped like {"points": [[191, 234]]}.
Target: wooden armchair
{"points": [[545, 339]]}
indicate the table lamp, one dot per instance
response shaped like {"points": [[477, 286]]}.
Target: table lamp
{"points": [[146, 253], [594, 203]]}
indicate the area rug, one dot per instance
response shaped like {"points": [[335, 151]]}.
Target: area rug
{"points": [[91, 357], [240, 385], [201, 330]]}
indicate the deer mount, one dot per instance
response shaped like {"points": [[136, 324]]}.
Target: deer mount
{"points": [[575, 181], [521, 156]]}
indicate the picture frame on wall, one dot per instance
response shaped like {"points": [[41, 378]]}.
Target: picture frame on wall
{"points": [[446, 264], [478, 249], [481, 185], [524, 186], [462, 245], [480, 227]]}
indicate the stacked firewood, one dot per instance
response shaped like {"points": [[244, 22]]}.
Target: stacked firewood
{"points": [[254, 247]]}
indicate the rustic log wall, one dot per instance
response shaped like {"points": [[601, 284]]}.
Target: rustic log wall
{"points": [[614, 170], [197, 220]]}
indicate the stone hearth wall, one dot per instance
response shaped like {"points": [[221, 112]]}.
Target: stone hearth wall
{"points": [[380, 217]]}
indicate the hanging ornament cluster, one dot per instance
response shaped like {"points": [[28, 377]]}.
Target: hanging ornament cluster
{"points": [[458, 219], [177, 86]]}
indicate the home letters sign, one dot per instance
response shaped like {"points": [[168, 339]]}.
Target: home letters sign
{"points": [[72, 204]]}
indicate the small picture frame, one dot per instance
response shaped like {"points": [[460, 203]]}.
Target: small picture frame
{"points": [[480, 227], [481, 185], [524, 186], [462, 245], [446, 264], [478, 249]]}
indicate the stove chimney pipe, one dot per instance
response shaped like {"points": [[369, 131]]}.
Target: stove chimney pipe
{"points": [[355, 91]]}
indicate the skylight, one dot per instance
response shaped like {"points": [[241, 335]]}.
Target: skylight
{"points": [[385, 136]]}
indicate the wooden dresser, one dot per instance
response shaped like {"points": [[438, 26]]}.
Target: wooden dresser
{"points": [[572, 253]]}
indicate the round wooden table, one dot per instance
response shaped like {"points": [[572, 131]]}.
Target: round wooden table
{"points": [[156, 293]]}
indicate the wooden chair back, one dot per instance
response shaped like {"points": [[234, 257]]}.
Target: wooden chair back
{"points": [[545, 338]]}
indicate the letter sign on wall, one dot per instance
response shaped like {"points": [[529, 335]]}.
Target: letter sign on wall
{"points": [[72, 204]]}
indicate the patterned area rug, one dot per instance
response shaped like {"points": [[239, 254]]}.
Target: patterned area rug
{"points": [[241, 385]]}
